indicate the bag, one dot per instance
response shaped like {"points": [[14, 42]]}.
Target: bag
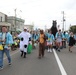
{"points": [[1, 47], [29, 48]]}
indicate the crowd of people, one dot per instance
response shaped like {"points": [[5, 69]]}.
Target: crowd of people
{"points": [[29, 40]]}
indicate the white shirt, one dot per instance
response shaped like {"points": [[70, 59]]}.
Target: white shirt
{"points": [[3, 36]]}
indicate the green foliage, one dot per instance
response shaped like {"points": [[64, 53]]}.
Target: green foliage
{"points": [[73, 29]]}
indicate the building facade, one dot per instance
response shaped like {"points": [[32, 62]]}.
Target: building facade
{"points": [[3, 21], [17, 24], [29, 27]]}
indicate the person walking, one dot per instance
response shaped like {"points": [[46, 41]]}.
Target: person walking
{"points": [[35, 37], [71, 41], [6, 40], [59, 37], [41, 44], [64, 40], [50, 41], [25, 37]]}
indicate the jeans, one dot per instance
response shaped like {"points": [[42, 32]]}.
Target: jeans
{"points": [[7, 52], [1, 58]]}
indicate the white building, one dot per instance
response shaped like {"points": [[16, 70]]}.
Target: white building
{"points": [[17, 24], [3, 21], [29, 27]]}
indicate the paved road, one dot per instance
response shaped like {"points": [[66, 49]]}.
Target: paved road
{"points": [[68, 60], [45, 66]]}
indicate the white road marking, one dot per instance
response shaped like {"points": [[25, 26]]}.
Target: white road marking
{"points": [[12, 54], [62, 70]]}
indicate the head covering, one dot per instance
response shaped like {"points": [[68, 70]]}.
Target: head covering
{"points": [[59, 29], [25, 28]]}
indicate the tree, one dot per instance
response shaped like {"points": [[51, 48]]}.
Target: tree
{"points": [[54, 27], [73, 29]]}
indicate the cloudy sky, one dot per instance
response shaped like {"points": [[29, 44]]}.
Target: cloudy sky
{"points": [[41, 12]]}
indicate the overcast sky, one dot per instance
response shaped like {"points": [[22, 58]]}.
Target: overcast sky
{"points": [[41, 12]]}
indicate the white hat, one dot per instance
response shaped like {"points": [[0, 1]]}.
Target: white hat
{"points": [[25, 27]]}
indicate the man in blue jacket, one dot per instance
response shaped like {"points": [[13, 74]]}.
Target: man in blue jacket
{"points": [[5, 40]]}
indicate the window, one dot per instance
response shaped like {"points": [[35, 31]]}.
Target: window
{"points": [[0, 28], [0, 18]]}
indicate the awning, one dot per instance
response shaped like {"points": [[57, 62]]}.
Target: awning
{"points": [[5, 24]]}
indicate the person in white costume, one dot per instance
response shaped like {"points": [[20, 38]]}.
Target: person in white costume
{"points": [[24, 40], [50, 40]]}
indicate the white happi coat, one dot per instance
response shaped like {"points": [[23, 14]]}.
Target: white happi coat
{"points": [[25, 36]]}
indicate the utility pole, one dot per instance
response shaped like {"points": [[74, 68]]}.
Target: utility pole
{"points": [[63, 21], [15, 20]]}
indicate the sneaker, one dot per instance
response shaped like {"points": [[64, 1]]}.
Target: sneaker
{"points": [[50, 50], [59, 50], [1, 68], [9, 64], [70, 51]]}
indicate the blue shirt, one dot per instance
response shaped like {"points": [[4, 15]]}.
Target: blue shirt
{"points": [[59, 35], [50, 37], [35, 37], [9, 38]]}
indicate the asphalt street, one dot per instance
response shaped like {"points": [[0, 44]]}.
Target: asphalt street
{"points": [[63, 63]]}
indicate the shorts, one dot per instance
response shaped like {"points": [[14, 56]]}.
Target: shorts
{"points": [[49, 43], [59, 40]]}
